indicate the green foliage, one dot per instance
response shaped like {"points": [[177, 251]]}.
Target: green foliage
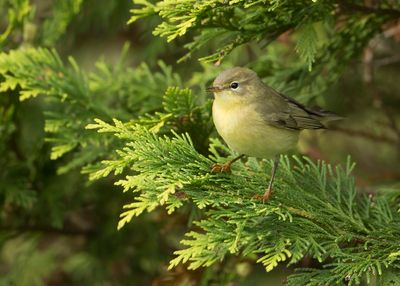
{"points": [[16, 15], [295, 223], [179, 113], [238, 22], [34, 269], [307, 45], [155, 141], [344, 29], [55, 26], [41, 72]]}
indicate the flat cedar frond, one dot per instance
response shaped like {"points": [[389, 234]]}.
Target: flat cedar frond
{"points": [[147, 129], [315, 210], [76, 97]]}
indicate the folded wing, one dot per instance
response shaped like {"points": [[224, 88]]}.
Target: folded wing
{"points": [[285, 112]]}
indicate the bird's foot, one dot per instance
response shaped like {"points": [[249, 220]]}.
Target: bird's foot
{"points": [[265, 197], [221, 168]]}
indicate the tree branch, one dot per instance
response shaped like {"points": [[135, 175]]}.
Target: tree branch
{"points": [[361, 133], [347, 7], [66, 231]]}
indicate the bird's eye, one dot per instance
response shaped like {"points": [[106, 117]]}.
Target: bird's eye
{"points": [[234, 85]]}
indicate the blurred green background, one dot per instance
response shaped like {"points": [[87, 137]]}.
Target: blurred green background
{"points": [[58, 229]]}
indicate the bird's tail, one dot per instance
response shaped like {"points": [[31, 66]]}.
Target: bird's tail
{"points": [[325, 116]]}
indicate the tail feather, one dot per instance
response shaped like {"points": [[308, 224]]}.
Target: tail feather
{"points": [[325, 116]]}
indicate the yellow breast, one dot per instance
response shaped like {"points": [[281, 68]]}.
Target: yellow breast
{"points": [[247, 133]]}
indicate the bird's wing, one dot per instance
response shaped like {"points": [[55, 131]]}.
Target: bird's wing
{"points": [[284, 112]]}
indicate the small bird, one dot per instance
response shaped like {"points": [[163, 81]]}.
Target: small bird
{"points": [[255, 120]]}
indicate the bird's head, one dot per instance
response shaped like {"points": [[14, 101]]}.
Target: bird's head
{"points": [[236, 84]]}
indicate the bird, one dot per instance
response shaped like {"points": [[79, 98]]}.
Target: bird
{"points": [[255, 120]]}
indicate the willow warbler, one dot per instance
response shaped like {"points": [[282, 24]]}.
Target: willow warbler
{"points": [[255, 120]]}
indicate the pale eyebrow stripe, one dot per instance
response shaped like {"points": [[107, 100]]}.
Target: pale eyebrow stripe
{"points": [[240, 82]]}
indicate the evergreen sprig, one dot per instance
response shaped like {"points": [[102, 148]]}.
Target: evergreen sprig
{"points": [[76, 96], [323, 31], [56, 25], [234, 23], [15, 13], [157, 142], [315, 210]]}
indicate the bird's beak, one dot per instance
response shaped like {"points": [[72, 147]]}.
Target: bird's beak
{"points": [[214, 89]]}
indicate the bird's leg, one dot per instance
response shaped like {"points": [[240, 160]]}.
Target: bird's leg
{"points": [[265, 197], [226, 167], [268, 192]]}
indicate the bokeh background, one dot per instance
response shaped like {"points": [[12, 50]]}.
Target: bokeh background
{"points": [[58, 229]]}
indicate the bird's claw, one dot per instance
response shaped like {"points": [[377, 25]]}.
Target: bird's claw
{"points": [[265, 197], [221, 168]]}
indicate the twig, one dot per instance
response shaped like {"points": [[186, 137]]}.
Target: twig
{"points": [[387, 61], [49, 230], [350, 7], [364, 134]]}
